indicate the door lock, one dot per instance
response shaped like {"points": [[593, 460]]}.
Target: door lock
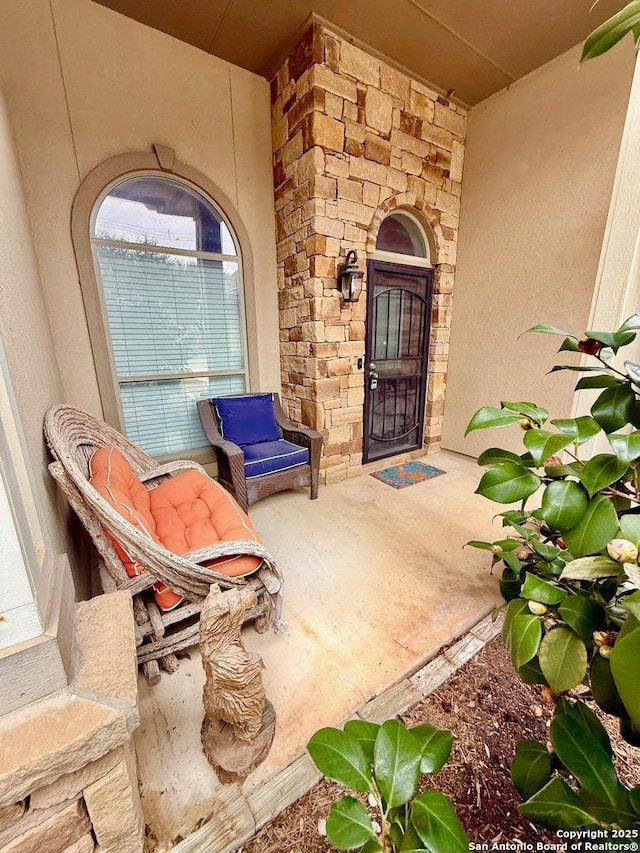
{"points": [[373, 380]]}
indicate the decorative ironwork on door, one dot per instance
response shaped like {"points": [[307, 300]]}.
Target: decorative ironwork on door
{"points": [[398, 321]]}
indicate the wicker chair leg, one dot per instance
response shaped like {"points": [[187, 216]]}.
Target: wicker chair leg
{"points": [[169, 662], [151, 671], [239, 723]]}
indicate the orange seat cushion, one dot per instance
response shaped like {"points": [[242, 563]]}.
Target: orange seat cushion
{"points": [[184, 513], [192, 511]]}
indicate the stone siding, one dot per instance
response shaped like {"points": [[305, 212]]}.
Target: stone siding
{"points": [[68, 777], [353, 140]]}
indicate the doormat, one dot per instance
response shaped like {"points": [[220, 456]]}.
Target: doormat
{"points": [[401, 476]]}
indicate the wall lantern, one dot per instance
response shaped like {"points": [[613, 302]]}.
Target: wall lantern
{"points": [[350, 277]]}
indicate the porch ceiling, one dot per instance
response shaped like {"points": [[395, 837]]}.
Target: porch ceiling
{"points": [[473, 47]]}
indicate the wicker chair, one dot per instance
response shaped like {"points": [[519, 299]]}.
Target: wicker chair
{"points": [[73, 436], [231, 457]]}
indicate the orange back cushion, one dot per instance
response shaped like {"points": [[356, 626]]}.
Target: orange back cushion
{"points": [[192, 511], [113, 479]]}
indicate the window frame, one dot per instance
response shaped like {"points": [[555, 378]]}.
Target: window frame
{"points": [[92, 192], [423, 261]]}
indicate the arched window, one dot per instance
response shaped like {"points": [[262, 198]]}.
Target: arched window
{"points": [[171, 279], [402, 235]]}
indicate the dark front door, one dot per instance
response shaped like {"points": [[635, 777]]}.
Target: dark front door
{"points": [[398, 318]]}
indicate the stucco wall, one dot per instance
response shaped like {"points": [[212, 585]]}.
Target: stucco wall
{"points": [[538, 174], [84, 84], [32, 381]]}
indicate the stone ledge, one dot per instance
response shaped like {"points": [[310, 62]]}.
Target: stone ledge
{"points": [[105, 666], [60, 736], [70, 729]]}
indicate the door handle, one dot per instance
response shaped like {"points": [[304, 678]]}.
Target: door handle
{"points": [[373, 380]]}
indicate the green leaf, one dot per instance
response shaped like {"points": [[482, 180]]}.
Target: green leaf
{"points": [[632, 603], [435, 745], [583, 615], [517, 607], [601, 471], [569, 344], [540, 590], [478, 543], [591, 725], [631, 323], [365, 733], [528, 410], [603, 687], [530, 768], [557, 807], [531, 673], [603, 381], [582, 428], [634, 799], [614, 407], [630, 528], [613, 340], [497, 454], [372, 846], [397, 763], [626, 672], [546, 329], [543, 444], [410, 841], [546, 551], [507, 482], [339, 756], [489, 417], [526, 632], [633, 371], [596, 528], [509, 584], [437, 824], [579, 368], [348, 824], [619, 813], [604, 37], [584, 756], [563, 504], [626, 446], [563, 659], [591, 569]]}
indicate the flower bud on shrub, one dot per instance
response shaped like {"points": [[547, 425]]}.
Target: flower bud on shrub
{"points": [[600, 637], [590, 346], [537, 608], [605, 651], [622, 551], [525, 423]]}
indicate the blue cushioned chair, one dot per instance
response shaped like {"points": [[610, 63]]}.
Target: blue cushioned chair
{"points": [[259, 450]]}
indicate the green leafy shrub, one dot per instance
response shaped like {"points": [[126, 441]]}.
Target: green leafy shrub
{"points": [[608, 34], [578, 785], [385, 761], [570, 575]]}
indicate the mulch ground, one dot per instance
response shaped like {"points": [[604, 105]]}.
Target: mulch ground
{"points": [[489, 710]]}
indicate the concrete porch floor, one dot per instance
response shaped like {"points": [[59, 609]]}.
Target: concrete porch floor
{"points": [[376, 581]]}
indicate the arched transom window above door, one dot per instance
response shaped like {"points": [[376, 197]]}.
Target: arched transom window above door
{"points": [[402, 239], [169, 269]]}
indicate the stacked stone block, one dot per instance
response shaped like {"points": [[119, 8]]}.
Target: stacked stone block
{"points": [[354, 139], [68, 778]]}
